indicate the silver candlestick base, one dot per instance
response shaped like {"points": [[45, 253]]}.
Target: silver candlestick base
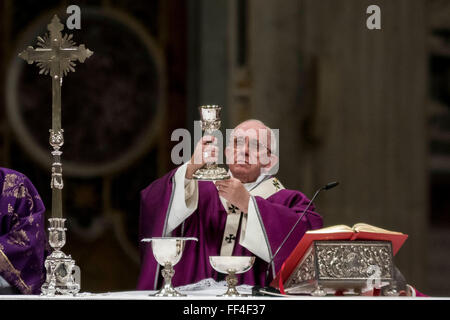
{"points": [[63, 276]]}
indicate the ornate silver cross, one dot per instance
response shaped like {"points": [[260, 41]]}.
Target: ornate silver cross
{"points": [[56, 54]]}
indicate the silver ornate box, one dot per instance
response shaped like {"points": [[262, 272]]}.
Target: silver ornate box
{"points": [[329, 266]]}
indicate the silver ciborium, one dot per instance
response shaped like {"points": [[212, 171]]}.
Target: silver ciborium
{"points": [[62, 276], [167, 252], [210, 118], [231, 265]]}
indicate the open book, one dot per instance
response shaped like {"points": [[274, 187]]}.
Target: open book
{"points": [[360, 231]]}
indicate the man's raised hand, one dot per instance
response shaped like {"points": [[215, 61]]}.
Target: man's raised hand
{"points": [[234, 192]]}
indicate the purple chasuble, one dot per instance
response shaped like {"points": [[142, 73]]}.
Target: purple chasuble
{"points": [[278, 214], [22, 233]]}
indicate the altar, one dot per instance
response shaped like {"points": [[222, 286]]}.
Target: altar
{"points": [[209, 289]]}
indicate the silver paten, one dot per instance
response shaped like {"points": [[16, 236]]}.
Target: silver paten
{"points": [[231, 266], [210, 118], [353, 266], [167, 252]]}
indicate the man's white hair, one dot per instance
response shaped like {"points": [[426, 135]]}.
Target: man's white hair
{"points": [[273, 138]]}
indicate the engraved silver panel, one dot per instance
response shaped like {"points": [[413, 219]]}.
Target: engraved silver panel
{"points": [[342, 265]]}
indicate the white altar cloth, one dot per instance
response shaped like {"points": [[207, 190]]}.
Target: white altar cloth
{"points": [[207, 289]]}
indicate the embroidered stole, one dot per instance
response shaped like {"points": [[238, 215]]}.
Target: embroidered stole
{"points": [[236, 217]]}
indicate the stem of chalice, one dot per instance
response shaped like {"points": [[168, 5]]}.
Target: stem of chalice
{"points": [[232, 281], [210, 166], [168, 290]]}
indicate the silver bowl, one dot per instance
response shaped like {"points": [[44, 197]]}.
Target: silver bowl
{"points": [[167, 252], [231, 265]]}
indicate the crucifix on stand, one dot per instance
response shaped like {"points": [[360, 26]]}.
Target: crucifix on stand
{"points": [[56, 55]]}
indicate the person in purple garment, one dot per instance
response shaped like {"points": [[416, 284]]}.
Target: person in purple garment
{"points": [[247, 215], [22, 235]]}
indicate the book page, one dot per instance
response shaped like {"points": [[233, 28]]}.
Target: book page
{"points": [[364, 227], [333, 229]]}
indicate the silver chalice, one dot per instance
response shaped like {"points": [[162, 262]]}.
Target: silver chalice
{"points": [[210, 117], [167, 252], [231, 265]]}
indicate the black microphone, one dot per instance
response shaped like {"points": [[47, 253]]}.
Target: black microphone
{"points": [[330, 185], [325, 187]]}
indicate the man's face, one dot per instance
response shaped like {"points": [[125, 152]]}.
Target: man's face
{"points": [[247, 151]]}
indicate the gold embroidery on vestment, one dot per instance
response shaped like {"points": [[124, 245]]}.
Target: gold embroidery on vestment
{"points": [[7, 267], [18, 237], [13, 186]]}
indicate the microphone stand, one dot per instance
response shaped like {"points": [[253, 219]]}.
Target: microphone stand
{"points": [[268, 289]]}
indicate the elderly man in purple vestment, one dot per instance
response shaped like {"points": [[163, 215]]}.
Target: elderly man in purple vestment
{"points": [[22, 235], [247, 215]]}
